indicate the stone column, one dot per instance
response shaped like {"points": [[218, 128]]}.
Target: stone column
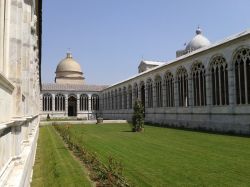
{"points": [[154, 96], [77, 104], [2, 23], [53, 103], [231, 87], [190, 92], [66, 105], [176, 93], [164, 93], [209, 90]]}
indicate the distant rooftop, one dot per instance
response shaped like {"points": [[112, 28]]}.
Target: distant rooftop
{"points": [[72, 87]]}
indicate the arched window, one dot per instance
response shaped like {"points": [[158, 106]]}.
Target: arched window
{"points": [[129, 96], [116, 99], [112, 100], [47, 102], [84, 102], [219, 77], [142, 90], [95, 102], [150, 93], [59, 102], [136, 91], [158, 91], [169, 86], [182, 81], [125, 98], [199, 84], [105, 101], [120, 98], [109, 101], [242, 76]]}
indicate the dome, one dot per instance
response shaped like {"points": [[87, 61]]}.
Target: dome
{"points": [[198, 41], [68, 64], [68, 71]]}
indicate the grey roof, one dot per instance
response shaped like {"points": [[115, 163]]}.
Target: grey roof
{"points": [[72, 87]]}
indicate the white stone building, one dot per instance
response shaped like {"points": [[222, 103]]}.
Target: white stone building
{"points": [[69, 96], [206, 87], [20, 44]]}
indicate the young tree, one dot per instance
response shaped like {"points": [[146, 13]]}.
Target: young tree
{"points": [[138, 117]]}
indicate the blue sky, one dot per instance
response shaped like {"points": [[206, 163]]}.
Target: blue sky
{"points": [[109, 38]]}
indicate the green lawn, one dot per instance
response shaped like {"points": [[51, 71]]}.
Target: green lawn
{"points": [[54, 165], [170, 157]]}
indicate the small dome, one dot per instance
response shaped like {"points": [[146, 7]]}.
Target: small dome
{"points": [[198, 41], [68, 64]]}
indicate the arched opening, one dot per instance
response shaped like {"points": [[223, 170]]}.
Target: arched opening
{"points": [[143, 95], [72, 106]]}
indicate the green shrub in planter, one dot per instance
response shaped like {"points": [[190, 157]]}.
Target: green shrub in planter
{"points": [[138, 117]]}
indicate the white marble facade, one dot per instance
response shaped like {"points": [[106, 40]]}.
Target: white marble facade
{"points": [[19, 89]]}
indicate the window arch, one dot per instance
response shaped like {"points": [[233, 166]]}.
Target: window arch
{"points": [[136, 91], [150, 93], [59, 102], [219, 78], [169, 87], [142, 90], [182, 81], [116, 99], [199, 84], [125, 98], [94, 102], [158, 91], [47, 102], [242, 76], [112, 100], [120, 98], [84, 102], [105, 101], [109, 101], [130, 97]]}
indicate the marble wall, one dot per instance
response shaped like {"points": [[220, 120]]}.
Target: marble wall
{"points": [[19, 89]]}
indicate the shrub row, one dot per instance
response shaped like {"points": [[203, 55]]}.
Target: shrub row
{"points": [[110, 175]]}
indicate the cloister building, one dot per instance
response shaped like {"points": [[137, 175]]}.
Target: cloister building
{"points": [[69, 96], [207, 86]]}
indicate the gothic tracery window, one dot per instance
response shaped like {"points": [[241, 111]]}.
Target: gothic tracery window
{"points": [[219, 78], [120, 98], [47, 102], [125, 98], [182, 81], [150, 93], [95, 102], [59, 102], [169, 87], [109, 101], [199, 84], [158, 91], [242, 76], [116, 99], [130, 97], [136, 91], [112, 100], [84, 102]]}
